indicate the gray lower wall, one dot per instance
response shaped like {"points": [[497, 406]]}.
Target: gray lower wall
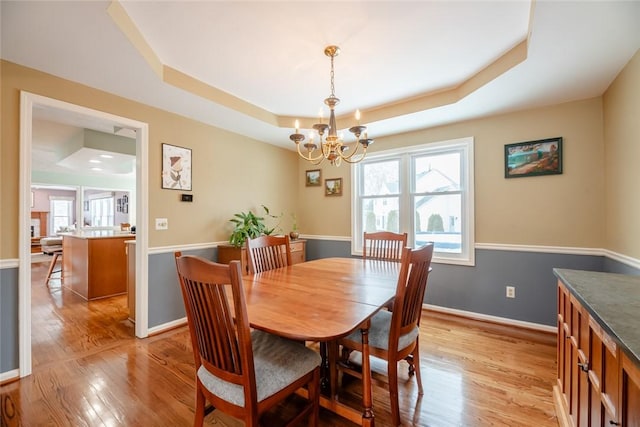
{"points": [[482, 288], [165, 298], [8, 319], [478, 289]]}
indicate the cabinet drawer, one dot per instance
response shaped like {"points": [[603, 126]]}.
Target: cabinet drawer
{"points": [[298, 251], [296, 247]]}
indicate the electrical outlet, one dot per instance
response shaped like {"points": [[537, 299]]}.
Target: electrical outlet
{"points": [[511, 291], [162, 224]]}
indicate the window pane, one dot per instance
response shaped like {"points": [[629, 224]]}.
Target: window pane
{"points": [[381, 214], [438, 220], [62, 213], [381, 179], [439, 172], [101, 212]]}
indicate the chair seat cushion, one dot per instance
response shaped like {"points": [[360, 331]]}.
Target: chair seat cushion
{"points": [[278, 362], [379, 332]]}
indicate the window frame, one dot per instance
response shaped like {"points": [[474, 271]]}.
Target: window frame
{"points": [[406, 156]]}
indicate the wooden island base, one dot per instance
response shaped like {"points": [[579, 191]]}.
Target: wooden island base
{"points": [[95, 263]]}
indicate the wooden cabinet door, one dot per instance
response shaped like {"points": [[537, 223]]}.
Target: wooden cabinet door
{"points": [[564, 346], [630, 394], [578, 390]]}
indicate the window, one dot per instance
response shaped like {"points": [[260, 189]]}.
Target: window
{"points": [[426, 191], [101, 211], [61, 209]]}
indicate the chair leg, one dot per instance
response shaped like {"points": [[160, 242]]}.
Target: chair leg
{"points": [[314, 396], [54, 260], [392, 368], [198, 420], [416, 367]]}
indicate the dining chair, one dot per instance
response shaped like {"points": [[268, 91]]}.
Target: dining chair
{"points": [[394, 336], [268, 252], [241, 372], [384, 245]]}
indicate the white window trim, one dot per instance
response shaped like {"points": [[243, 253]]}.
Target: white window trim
{"points": [[467, 178]]}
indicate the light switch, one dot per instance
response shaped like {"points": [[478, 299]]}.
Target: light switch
{"points": [[162, 224]]}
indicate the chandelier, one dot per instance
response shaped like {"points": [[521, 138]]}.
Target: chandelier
{"points": [[332, 146]]}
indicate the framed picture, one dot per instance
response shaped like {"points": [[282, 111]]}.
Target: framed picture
{"points": [[313, 178], [176, 167], [533, 158], [333, 187]]}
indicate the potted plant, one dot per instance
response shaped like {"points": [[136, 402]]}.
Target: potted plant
{"points": [[249, 225], [294, 228]]}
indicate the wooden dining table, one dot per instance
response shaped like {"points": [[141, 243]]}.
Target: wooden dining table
{"points": [[319, 301]]}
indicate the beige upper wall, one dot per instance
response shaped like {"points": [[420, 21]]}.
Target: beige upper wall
{"points": [[231, 173], [560, 210], [557, 210], [622, 150]]}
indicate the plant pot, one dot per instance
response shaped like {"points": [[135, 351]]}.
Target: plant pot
{"points": [[294, 235]]}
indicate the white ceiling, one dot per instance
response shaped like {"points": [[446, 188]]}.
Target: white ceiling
{"points": [[268, 55]]}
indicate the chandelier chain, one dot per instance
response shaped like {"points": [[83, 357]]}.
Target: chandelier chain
{"points": [[333, 88]]}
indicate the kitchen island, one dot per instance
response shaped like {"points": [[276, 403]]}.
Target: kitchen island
{"points": [[95, 263]]}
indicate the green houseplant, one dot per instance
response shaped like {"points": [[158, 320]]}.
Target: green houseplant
{"points": [[249, 225]]}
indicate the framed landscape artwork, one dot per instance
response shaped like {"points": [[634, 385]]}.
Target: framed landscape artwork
{"points": [[533, 158], [312, 178], [333, 187], [176, 167]]}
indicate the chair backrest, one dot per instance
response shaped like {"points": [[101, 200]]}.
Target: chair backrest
{"points": [[220, 344], [268, 252], [383, 245], [412, 284]]}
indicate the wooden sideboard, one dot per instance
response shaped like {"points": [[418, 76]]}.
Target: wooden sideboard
{"points": [[95, 264], [228, 253], [598, 381]]}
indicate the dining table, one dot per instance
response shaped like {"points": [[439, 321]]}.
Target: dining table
{"points": [[319, 301]]}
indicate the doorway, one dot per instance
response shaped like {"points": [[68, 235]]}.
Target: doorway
{"points": [[77, 114]]}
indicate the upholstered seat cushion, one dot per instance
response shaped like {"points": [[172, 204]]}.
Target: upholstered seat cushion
{"points": [[379, 332], [278, 362], [51, 245]]}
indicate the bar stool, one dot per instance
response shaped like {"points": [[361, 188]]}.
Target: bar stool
{"points": [[52, 246]]}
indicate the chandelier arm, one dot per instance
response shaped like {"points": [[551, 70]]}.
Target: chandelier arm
{"points": [[309, 158], [355, 150], [348, 159]]}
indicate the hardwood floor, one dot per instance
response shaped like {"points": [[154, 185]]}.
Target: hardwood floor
{"points": [[88, 370]]}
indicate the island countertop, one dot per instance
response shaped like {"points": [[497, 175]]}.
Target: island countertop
{"points": [[613, 300], [98, 234]]}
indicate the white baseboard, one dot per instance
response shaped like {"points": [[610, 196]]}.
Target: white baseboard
{"points": [[489, 318], [167, 326], [9, 375]]}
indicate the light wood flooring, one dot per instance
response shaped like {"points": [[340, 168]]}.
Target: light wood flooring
{"points": [[88, 370]]}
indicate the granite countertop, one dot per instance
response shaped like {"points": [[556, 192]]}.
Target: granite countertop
{"points": [[613, 300]]}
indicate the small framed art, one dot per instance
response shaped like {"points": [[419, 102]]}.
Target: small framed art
{"points": [[333, 187], [176, 167], [533, 158], [312, 178]]}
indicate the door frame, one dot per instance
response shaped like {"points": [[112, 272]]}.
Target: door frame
{"points": [[29, 101]]}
